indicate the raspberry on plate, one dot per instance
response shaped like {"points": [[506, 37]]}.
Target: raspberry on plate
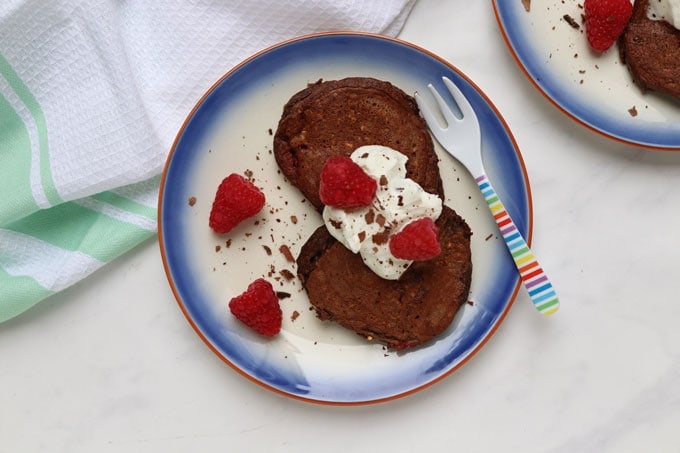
{"points": [[236, 200], [345, 185], [605, 21], [258, 308], [417, 241]]}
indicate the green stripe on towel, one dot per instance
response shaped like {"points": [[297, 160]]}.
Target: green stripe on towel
{"points": [[15, 165], [51, 249], [127, 204], [19, 293], [71, 226], [38, 116]]}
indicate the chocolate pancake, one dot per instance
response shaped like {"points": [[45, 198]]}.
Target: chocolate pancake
{"points": [[651, 50], [336, 117], [399, 313]]}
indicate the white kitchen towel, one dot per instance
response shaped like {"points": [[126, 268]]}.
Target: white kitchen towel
{"points": [[92, 94]]}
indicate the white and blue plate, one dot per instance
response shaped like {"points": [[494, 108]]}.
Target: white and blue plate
{"points": [[595, 90], [230, 130]]}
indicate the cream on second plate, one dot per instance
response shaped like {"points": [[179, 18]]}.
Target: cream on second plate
{"points": [[397, 201], [668, 10]]}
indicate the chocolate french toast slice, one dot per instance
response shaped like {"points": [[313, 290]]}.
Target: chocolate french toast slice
{"points": [[651, 50], [335, 117], [398, 313]]}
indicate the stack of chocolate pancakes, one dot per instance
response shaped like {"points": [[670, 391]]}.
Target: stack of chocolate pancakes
{"points": [[334, 118]]}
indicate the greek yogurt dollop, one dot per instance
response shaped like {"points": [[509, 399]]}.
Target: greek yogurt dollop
{"points": [[397, 201], [668, 10]]}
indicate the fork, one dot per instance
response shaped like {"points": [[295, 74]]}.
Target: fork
{"points": [[463, 135]]}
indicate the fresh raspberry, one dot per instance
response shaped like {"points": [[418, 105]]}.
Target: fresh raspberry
{"points": [[344, 184], [417, 241], [605, 21], [236, 200], [258, 308]]}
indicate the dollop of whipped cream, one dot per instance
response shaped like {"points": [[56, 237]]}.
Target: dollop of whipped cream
{"points": [[398, 200], [668, 10]]}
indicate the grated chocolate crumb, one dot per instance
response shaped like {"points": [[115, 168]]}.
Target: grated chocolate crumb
{"points": [[287, 253], [381, 237], [381, 220], [288, 275], [570, 20]]}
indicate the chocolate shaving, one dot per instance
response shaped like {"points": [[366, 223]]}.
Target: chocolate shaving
{"points": [[288, 275], [287, 253], [381, 220], [570, 20], [381, 238]]}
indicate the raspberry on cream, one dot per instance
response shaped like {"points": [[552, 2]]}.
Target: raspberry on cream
{"points": [[398, 200]]}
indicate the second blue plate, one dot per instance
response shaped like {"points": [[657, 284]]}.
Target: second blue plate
{"points": [[595, 90]]}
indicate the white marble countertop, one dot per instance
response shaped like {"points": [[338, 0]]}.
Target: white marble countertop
{"points": [[111, 364]]}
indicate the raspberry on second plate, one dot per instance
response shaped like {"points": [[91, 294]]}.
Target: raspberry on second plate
{"points": [[258, 308], [236, 200], [417, 241], [345, 185]]}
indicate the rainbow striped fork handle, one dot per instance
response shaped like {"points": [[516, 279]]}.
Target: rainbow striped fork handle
{"points": [[535, 280]]}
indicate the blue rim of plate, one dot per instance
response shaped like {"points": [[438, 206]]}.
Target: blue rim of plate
{"points": [[577, 107], [505, 167]]}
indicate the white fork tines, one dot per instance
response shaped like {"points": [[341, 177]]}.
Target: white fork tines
{"points": [[461, 138], [461, 131]]}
